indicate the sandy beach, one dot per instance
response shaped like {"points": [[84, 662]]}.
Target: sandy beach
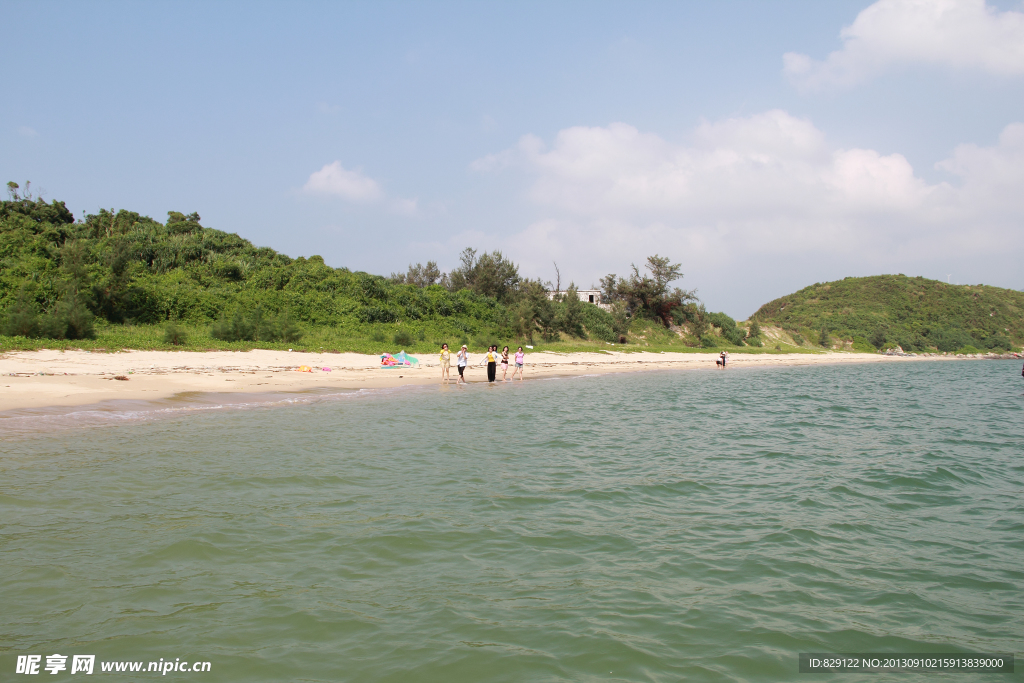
{"points": [[38, 379]]}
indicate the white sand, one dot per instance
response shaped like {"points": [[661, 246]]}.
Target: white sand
{"points": [[35, 379]]}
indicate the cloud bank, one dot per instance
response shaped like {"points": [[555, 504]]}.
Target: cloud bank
{"points": [[763, 186], [961, 34]]}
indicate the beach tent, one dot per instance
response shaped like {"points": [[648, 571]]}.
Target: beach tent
{"points": [[399, 360], [405, 358]]}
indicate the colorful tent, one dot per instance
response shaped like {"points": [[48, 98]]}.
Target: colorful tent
{"points": [[399, 360]]}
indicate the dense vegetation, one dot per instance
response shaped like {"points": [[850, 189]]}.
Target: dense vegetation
{"points": [[135, 282], [64, 279], [917, 314]]}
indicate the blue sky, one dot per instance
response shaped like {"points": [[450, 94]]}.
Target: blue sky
{"points": [[766, 146]]}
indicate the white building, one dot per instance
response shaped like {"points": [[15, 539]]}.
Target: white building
{"points": [[589, 296]]}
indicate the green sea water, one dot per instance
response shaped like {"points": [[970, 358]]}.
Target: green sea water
{"points": [[658, 526]]}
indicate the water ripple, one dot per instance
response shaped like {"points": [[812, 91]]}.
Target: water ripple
{"points": [[649, 527]]}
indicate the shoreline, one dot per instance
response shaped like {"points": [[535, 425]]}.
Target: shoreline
{"points": [[60, 379]]}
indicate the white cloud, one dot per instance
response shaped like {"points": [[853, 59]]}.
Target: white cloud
{"points": [[962, 34], [767, 185], [334, 179], [27, 132]]}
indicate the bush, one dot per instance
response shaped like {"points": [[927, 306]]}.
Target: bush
{"points": [[997, 342], [69, 319], [965, 350], [825, 340], [798, 339], [734, 335], [255, 327], [286, 328], [174, 335], [376, 314], [235, 328], [721, 321], [377, 336], [22, 319], [862, 345], [947, 339], [601, 331], [402, 338], [708, 342]]}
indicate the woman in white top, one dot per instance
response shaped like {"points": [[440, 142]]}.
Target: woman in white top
{"points": [[462, 360]]}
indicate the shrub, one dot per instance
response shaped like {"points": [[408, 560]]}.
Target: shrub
{"points": [[377, 336], [376, 314], [862, 345], [825, 340], [964, 350], [997, 342], [798, 339], [22, 319], [235, 328], [402, 338], [286, 328], [708, 342], [253, 326], [949, 339], [69, 319], [174, 335], [601, 331], [734, 335]]}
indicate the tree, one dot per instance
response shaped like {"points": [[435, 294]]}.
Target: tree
{"points": [[571, 320], [419, 275], [534, 313], [648, 294], [825, 340], [490, 274]]}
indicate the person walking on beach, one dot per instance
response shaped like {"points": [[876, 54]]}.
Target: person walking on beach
{"points": [[462, 360], [504, 363], [446, 358], [491, 359], [520, 357]]}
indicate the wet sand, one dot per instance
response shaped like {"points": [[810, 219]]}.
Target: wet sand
{"points": [[39, 379]]}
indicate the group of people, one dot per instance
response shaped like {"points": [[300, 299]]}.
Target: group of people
{"points": [[491, 359]]}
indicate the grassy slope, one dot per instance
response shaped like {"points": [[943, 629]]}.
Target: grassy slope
{"points": [[895, 308]]}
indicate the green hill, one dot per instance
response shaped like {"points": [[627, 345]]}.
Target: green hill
{"points": [[62, 279], [913, 312]]}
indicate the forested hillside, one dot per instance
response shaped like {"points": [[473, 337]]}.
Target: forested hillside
{"points": [[62, 278], [913, 312]]}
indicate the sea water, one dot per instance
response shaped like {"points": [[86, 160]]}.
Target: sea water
{"points": [[660, 526]]}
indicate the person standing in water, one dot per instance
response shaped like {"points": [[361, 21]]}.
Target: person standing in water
{"points": [[446, 358], [520, 357], [504, 363], [491, 359], [462, 360], [720, 361]]}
